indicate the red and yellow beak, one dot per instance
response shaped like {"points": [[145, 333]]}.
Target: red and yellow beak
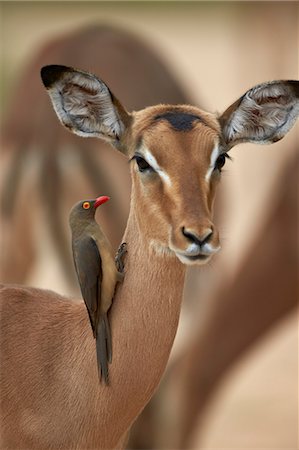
{"points": [[100, 200]]}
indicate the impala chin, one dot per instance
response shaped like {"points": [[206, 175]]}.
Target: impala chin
{"points": [[191, 260], [195, 255]]}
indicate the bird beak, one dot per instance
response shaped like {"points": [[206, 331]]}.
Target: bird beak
{"points": [[100, 200]]}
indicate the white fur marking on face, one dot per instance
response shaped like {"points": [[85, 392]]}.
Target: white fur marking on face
{"points": [[153, 163], [214, 156], [208, 249], [192, 249]]}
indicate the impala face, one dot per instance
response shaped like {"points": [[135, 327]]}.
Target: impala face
{"points": [[176, 166], [176, 152]]}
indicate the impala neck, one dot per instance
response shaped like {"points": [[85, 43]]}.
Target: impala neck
{"points": [[144, 319]]}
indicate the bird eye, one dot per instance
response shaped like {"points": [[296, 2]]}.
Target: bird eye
{"points": [[221, 161], [86, 205], [142, 164]]}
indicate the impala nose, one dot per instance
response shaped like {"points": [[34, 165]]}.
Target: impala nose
{"points": [[198, 238]]}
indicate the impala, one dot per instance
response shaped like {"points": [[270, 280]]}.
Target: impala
{"points": [[51, 397]]}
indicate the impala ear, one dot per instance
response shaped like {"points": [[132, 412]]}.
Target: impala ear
{"points": [[263, 115], [84, 104]]}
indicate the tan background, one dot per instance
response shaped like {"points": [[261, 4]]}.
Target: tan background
{"points": [[217, 51]]}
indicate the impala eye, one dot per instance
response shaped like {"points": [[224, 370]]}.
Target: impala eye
{"points": [[221, 161], [142, 164]]}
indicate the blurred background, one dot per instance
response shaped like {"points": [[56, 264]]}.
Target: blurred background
{"points": [[232, 379]]}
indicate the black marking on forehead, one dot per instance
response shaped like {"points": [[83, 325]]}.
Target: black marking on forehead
{"points": [[179, 120]]}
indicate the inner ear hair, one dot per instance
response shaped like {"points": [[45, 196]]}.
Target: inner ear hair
{"points": [[263, 115], [85, 105]]}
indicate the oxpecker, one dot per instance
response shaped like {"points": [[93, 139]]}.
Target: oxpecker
{"points": [[97, 274]]}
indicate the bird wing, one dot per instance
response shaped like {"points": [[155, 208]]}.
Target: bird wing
{"points": [[88, 264]]}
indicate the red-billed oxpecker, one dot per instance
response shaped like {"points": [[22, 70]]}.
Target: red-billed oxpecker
{"points": [[97, 274]]}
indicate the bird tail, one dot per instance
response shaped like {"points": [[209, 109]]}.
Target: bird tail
{"points": [[108, 339], [103, 344]]}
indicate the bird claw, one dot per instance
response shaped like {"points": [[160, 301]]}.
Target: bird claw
{"points": [[119, 258]]}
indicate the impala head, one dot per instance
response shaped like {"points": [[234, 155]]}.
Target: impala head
{"points": [[176, 152]]}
